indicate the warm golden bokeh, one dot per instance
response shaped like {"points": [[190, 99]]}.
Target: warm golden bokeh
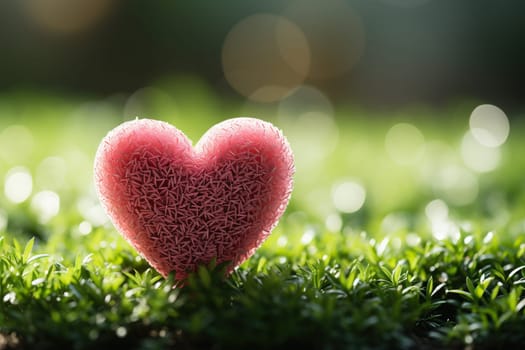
{"points": [[334, 32], [67, 17], [264, 57]]}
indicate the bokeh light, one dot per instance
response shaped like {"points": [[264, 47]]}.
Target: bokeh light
{"points": [[304, 99], [91, 210], [489, 125], [442, 226], [308, 236], [313, 136], [477, 156], [334, 222], [334, 32], [404, 143], [456, 185], [265, 56], [85, 228], [306, 116], [348, 196], [67, 17], [394, 222], [436, 210], [18, 184], [46, 205]]}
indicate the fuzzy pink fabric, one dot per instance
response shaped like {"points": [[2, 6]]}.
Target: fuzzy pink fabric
{"points": [[181, 206]]}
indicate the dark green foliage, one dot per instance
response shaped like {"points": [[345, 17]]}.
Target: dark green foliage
{"points": [[435, 294]]}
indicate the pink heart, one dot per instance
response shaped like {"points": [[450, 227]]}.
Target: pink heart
{"points": [[180, 206]]}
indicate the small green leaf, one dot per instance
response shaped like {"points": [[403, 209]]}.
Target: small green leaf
{"points": [[470, 286], [204, 276], [495, 291], [462, 293], [438, 288], [27, 250], [396, 274], [515, 271], [430, 286], [386, 271]]}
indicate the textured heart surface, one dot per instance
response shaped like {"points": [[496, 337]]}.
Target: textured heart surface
{"points": [[182, 206]]}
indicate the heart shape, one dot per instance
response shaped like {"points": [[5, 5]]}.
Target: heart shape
{"points": [[181, 207]]}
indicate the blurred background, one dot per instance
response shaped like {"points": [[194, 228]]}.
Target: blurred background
{"points": [[391, 106], [378, 53]]}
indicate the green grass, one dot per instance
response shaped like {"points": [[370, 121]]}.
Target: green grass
{"points": [[379, 278]]}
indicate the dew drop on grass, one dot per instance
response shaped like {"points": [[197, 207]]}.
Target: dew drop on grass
{"points": [[488, 237], [468, 240], [172, 298], [10, 298], [282, 241], [38, 281], [307, 236]]}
